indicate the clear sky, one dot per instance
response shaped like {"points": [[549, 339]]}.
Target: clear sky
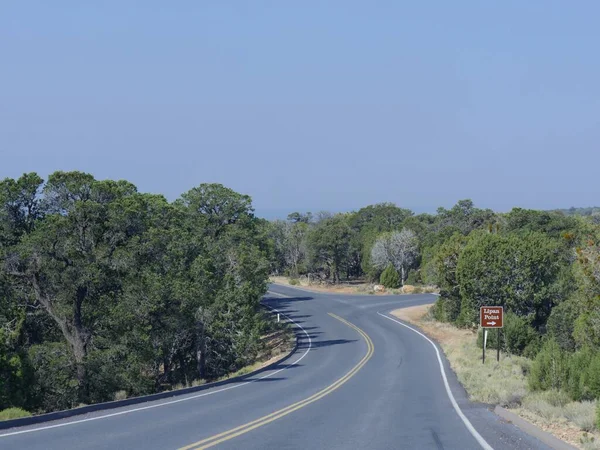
{"points": [[312, 105]]}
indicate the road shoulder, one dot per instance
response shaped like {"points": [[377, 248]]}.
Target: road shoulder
{"points": [[448, 339]]}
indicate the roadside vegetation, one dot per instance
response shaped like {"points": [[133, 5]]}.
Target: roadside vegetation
{"points": [[543, 267], [507, 383], [107, 293]]}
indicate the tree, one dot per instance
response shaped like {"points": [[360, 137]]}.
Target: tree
{"points": [[398, 248], [295, 246], [519, 272], [464, 217], [72, 262], [296, 217], [552, 224], [329, 244], [217, 207], [390, 278], [446, 262], [367, 224]]}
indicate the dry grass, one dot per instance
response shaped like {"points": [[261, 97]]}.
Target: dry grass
{"points": [[505, 383], [120, 395], [13, 413], [354, 287]]}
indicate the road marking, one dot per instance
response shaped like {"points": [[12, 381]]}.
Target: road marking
{"points": [[143, 408], [242, 429], [466, 421]]}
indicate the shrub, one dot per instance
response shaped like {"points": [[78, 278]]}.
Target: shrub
{"points": [[591, 377], [517, 337], [294, 281], [550, 368], [517, 334], [55, 385], [120, 395], [561, 324], [598, 415], [581, 414], [492, 339], [579, 362], [447, 308], [413, 278], [13, 413], [390, 278], [437, 310]]}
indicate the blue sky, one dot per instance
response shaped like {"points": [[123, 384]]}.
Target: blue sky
{"points": [[310, 105]]}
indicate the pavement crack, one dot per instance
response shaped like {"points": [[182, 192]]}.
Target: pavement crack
{"points": [[437, 440]]}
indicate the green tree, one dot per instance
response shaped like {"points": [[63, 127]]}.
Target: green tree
{"points": [[329, 243], [519, 272], [445, 262], [367, 224], [71, 263], [390, 278]]}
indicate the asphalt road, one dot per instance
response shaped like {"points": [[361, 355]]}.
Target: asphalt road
{"points": [[358, 380]]}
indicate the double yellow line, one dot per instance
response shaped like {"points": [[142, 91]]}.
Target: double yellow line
{"points": [[234, 432]]}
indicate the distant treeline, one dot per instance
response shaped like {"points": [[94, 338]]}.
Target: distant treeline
{"points": [[572, 211]]}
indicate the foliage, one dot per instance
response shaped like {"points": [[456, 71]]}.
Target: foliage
{"points": [[13, 413], [329, 244], [390, 278], [577, 374], [518, 272], [561, 324], [104, 289], [549, 223], [518, 336], [397, 248], [445, 263], [550, 368]]}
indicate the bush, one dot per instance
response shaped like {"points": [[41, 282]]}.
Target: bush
{"points": [[492, 339], [579, 362], [13, 413], [591, 377], [517, 337], [413, 278], [390, 278], [550, 368], [581, 414], [517, 334], [294, 281], [120, 395], [55, 385], [561, 324]]}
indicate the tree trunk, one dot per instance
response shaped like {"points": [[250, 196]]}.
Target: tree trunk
{"points": [[403, 279], [73, 330]]}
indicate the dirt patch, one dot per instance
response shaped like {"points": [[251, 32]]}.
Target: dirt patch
{"points": [[502, 383]]}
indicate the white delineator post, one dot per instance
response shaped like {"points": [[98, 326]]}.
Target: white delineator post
{"points": [[485, 331]]}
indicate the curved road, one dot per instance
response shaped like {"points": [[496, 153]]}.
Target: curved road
{"points": [[358, 380]]}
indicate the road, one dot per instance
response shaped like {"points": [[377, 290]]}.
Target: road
{"points": [[357, 380]]}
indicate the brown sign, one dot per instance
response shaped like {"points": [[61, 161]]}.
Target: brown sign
{"points": [[491, 316]]}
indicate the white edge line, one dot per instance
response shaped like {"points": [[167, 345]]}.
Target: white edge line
{"points": [[466, 421], [179, 400]]}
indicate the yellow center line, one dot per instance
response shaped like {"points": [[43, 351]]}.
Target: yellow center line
{"points": [[234, 432]]}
